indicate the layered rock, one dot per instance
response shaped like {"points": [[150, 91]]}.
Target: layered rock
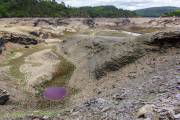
{"points": [[18, 38], [166, 38], [4, 97]]}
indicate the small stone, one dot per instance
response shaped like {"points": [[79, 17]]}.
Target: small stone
{"points": [[105, 109], [118, 96], [157, 77], [178, 67], [145, 110], [177, 116], [99, 92], [113, 86], [45, 36], [178, 79], [177, 110], [178, 87], [26, 46], [45, 117], [4, 97], [178, 96], [132, 76]]}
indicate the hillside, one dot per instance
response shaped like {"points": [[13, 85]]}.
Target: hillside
{"points": [[50, 8], [155, 11], [106, 11], [171, 14]]}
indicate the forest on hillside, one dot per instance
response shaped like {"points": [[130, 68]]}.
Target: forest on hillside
{"points": [[171, 14], [155, 11], [50, 8]]}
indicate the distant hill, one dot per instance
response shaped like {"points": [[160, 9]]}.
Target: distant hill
{"points": [[171, 14], [50, 8], [155, 11], [106, 11]]}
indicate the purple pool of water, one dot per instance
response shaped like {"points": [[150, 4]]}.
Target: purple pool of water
{"points": [[55, 93]]}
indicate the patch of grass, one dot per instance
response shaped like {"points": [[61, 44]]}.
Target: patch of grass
{"points": [[49, 113], [111, 33], [102, 32], [142, 30], [61, 76], [15, 64]]}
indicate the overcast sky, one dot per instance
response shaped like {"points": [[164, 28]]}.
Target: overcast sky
{"points": [[125, 4]]}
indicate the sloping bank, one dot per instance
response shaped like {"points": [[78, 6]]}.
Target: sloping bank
{"points": [[95, 57]]}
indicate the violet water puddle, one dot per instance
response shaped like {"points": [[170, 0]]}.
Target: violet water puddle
{"points": [[55, 93]]}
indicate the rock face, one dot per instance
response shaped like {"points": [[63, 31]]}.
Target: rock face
{"points": [[104, 54], [117, 62], [170, 38], [54, 22], [21, 39], [15, 38], [2, 43], [4, 97]]}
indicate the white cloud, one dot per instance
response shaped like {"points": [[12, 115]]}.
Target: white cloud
{"points": [[125, 4]]}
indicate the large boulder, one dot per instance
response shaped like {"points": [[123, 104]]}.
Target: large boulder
{"points": [[170, 38], [101, 54], [18, 38], [4, 97], [146, 111]]}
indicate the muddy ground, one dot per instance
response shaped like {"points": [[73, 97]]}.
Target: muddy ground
{"points": [[114, 69]]}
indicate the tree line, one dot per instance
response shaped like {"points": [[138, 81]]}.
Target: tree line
{"points": [[50, 8], [171, 14]]}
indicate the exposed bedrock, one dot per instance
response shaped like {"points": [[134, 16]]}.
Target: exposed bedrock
{"points": [[102, 55], [165, 38], [56, 22], [19, 38], [107, 55], [4, 97], [117, 62], [16, 38]]}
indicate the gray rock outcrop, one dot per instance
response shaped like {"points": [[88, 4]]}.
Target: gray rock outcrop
{"points": [[4, 96], [19, 38]]}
